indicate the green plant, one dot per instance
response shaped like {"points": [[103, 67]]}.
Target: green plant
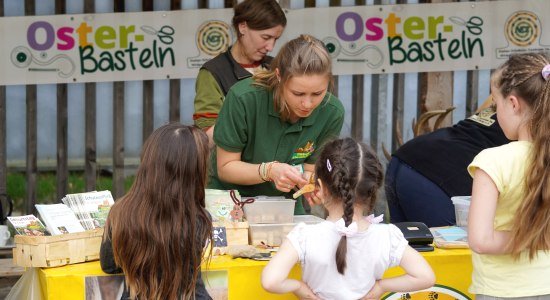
{"points": [[46, 183]]}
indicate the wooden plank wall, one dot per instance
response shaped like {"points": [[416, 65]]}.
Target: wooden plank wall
{"points": [[3, 140], [434, 92]]}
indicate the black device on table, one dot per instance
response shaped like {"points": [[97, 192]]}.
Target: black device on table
{"points": [[417, 234]]}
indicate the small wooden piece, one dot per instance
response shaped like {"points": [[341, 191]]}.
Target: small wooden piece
{"points": [[9, 269]]}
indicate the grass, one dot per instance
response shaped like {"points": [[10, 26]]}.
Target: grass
{"points": [[46, 187]]}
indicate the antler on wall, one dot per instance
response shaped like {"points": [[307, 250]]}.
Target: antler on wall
{"points": [[421, 127]]}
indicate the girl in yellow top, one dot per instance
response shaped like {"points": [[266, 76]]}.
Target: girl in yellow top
{"points": [[509, 226]]}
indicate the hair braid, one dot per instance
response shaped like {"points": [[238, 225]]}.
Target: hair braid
{"points": [[353, 177], [346, 188]]}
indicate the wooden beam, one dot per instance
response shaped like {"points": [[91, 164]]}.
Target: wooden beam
{"points": [[118, 128], [202, 3], [118, 139], [3, 140], [397, 109], [335, 78], [62, 172], [357, 94], [472, 91], [437, 90], [230, 3], [309, 3], [357, 98], [439, 93], [174, 101], [3, 143], [148, 92], [374, 104], [31, 169], [90, 155]]}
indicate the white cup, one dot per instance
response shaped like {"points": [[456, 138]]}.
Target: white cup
{"points": [[4, 235]]}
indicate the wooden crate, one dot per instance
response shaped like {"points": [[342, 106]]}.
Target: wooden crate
{"points": [[58, 250], [236, 234]]}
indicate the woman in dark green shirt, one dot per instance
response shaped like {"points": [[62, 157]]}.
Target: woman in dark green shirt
{"points": [[271, 126]]}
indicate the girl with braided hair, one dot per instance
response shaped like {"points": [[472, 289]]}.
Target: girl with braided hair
{"points": [[508, 226], [345, 256]]}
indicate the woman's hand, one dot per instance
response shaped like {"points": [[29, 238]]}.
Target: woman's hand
{"points": [[285, 177], [305, 293]]}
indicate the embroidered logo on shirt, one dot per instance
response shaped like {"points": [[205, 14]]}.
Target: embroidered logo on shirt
{"points": [[484, 117], [304, 152]]}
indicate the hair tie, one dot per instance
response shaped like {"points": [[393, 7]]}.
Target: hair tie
{"points": [[546, 72], [374, 220], [329, 166], [348, 231]]}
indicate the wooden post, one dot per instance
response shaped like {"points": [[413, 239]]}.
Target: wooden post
{"points": [[174, 112], [472, 90], [374, 103], [31, 169], [62, 172], [436, 90], [148, 92], [357, 98], [90, 155], [3, 140], [118, 129]]}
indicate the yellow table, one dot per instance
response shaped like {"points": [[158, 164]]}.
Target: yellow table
{"points": [[452, 267]]}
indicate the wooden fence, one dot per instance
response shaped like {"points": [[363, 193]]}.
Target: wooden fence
{"points": [[434, 91]]}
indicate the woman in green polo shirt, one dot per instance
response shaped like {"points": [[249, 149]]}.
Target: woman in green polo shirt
{"points": [[271, 126]]}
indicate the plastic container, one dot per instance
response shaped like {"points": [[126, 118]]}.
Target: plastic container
{"points": [[269, 210], [462, 208], [273, 234]]}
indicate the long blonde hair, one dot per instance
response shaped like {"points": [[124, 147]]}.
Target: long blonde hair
{"points": [[521, 76], [304, 55], [159, 228]]}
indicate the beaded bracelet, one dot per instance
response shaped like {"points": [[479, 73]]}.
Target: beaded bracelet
{"points": [[260, 171], [269, 166], [264, 170]]}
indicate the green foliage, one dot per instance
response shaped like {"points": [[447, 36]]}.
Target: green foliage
{"points": [[46, 183]]}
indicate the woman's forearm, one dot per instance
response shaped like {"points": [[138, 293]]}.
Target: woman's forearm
{"points": [[239, 172]]}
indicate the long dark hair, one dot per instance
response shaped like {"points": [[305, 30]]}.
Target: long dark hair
{"points": [[521, 75], [352, 174], [159, 229]]}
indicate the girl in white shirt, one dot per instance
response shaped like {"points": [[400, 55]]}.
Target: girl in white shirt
{"points": [[345, 256]]}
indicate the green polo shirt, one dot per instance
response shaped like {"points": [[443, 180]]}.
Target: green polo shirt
{"points": [[249, 124]]}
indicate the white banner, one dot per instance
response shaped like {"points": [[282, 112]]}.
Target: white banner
{"points": [[361, 40]]}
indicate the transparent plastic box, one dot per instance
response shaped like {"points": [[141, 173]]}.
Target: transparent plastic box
{"points": [[462, 208], [269, 210], [274, 234]]}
